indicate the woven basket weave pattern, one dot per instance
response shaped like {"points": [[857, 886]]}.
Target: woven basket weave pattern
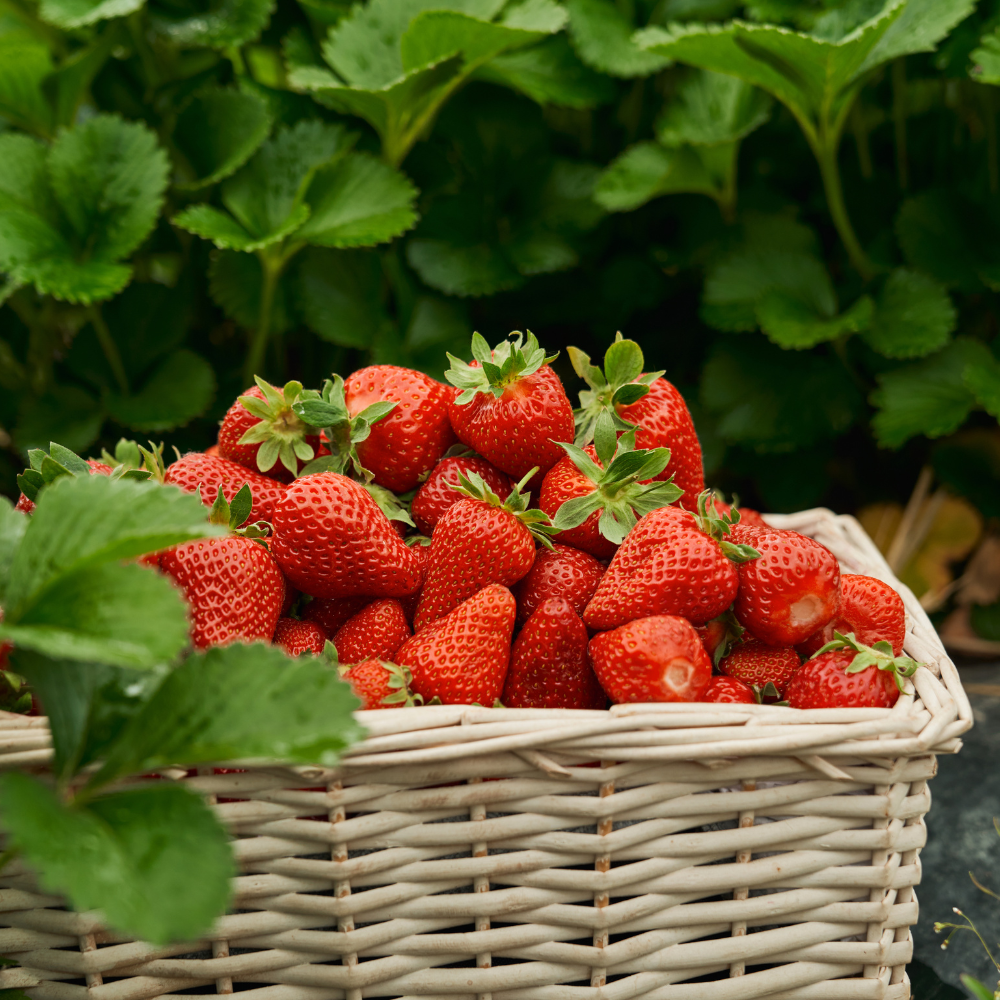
{"points": [[663, 852]]}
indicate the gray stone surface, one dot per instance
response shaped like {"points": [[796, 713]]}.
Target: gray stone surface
{"points": [[961, 838]]}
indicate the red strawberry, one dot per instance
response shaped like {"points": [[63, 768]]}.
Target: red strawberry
{"points": [[548, 663], [409, 602], [436, 495], [24, 505], [381, 685], [331, 540], [480, 540], [462, 658], [850, 674], [196, 470], [728, 690], [262, 432], [790, 591], [512, 407], [291, 596], [718, 635], [296, 637], [416, 433], [213, 449], [375, 632], [758, 665], [330, 613], [659, 658], [561, 571], [564, 482], [870, 609]]}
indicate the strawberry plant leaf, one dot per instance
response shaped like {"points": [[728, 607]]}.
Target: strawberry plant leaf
{"points": [[221, 24], [121, 853], [235, 281], [24, 65], [602, 37], [65, 411], [983, 381], [791, 323], [986, 59], [227, 234], [919, 28], [12, 527], [462, 270], [712, 108], [181, 388], [646, 171], [913, 316], [235, 703], [217, 133], [79, 13], [929, 397]]}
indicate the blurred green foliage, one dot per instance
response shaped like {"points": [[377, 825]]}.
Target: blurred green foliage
{"points": [[793, 205]]}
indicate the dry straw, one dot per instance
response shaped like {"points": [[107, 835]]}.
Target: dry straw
{"points": [[664, 852]]}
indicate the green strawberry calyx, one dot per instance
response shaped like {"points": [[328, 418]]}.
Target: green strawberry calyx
{"points": [[536, 521], [399, 680], [327, 410], [620, 383], [622, 491], [879, 655], [47, 466], [732, 634], [234, 515], [280, 431], [719, 526], [509, 362]]}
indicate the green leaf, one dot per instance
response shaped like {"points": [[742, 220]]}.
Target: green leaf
{"points": [[986, 59], [646, 171], [235, 281], [976, 988], [462, 270], [221, 24], [549, 73], [919, 28], [155, 861], [24, 65], [982, 379], [358, 201], [227, 234], [218, 132], [181, 388], [712, 108], [65, 412], [929, 397], [79, 13], [602, 36], [790, 323], [238, 702], [914, 316], [12, 527]]}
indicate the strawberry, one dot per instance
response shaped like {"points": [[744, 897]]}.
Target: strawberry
{"points": [[263, 433], [330, 613], [748, 517], [561, 571], [758, 665], [512, 407], [671, 563], [24, 505], [595, 496], [213, 449], [718, 635], [462, 657], [480, 540], [381, 685], [58, 461], [375, 632], [846, 673], [436, 495], [790, 591], [196, 470], [659, 658], [728, 690], [548, 663], [296, 637], [870, 609], [408, 441], [331, 540], [421, 549], [232, 584], [645, 403]]}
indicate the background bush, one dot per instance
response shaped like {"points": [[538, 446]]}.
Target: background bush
{"points": [[195, 190]]}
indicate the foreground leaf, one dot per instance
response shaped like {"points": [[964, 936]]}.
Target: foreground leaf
{"points": [[602, 35], [154, 861], [78, 13], [13, 525]]}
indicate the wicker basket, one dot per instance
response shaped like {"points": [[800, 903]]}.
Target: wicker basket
{"points": [[665, 852]]}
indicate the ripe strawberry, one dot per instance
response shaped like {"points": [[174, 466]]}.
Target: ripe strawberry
{"points": [[375, 632], [671, 563], [330, 613], [436, 495], [790, 591], [728, 690], [758, 665], [462, 658], [548, 663], [213, 449], [870, 609], [846, 673], [296, 637], [414, 435], [24, 505], [262, 432], [561, 571], [196, 470], [421, 549], [718, 635], [331, 540], [480, 540], [381, 685], [512, 407], [659, 658]]}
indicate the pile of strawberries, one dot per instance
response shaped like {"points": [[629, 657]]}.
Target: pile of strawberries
{"points": [[483, 542]]}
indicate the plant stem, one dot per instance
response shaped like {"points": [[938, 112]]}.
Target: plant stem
{"points": [[861, 141], [826, 153], [272, 268], [899, 120], [110, 349]]}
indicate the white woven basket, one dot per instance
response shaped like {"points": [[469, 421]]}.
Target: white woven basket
{"points": [[664, 852]]}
